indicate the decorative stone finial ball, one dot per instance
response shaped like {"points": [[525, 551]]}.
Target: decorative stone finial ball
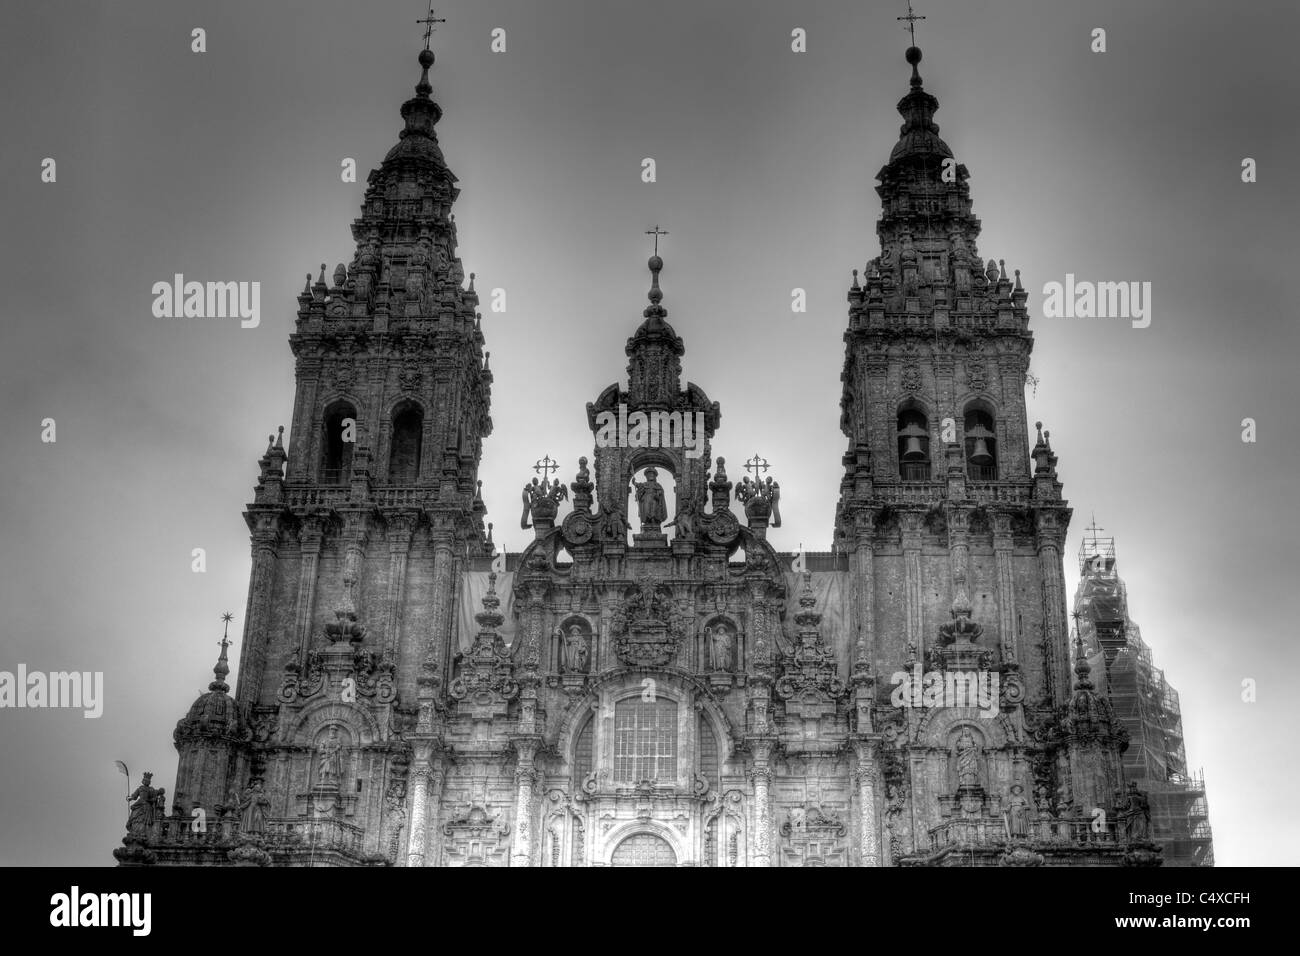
{"points": [[913, 55], [426, 58], [656, 263]]}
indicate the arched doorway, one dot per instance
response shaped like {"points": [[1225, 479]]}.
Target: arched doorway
{"points": [[643, 849]]}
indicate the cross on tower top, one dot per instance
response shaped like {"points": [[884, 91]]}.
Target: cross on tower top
{"points": [[429, 20], [545, 466], [756, 465], [656, 232], [1094, 527], [911, 19]]}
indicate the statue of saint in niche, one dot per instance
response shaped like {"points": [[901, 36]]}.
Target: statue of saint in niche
{"points": [[650, 501]]}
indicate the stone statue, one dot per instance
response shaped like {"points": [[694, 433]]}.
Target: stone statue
{"points": [[650, 501], [1018, 813], [968, 760], [686, 518], [144, 807], [1136, 816], [719, 647], [531, 491], [329, 764], [575, 651], [252, 816], [613, 526]]}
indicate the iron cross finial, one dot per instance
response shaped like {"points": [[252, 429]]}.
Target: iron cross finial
{"points": [[545, 466], [428, 21], [911, 19], [757, 465], [656, 232], [226, 619]]}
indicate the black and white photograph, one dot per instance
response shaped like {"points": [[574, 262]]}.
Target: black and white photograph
{"points": [[560, 433]]}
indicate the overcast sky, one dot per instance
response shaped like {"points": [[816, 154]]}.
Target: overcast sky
{"points": [[1123, 165]]}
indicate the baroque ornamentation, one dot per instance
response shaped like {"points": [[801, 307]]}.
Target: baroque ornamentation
{"points": [[647, 628]]}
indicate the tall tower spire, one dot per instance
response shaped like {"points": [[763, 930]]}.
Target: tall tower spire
{"points": [[936, 352]]}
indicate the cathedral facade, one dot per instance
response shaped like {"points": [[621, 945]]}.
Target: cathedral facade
{"points": [[658, 685]]}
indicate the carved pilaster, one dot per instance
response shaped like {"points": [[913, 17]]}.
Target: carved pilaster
{"points": [[867, 777], [304, 454], [525, 780], [1050, 532], [266, 538], [959, 546], [1002, 552], [311, 535], [440, 639], [910, 523], [760, 776], [864, 590], [354, 537], [401, 528]]}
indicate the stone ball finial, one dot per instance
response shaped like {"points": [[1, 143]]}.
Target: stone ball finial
{"points": [[913, 55], [655, 263], [426, 58]]}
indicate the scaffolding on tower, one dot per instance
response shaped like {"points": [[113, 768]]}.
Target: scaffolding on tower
{"points": [[1144, 703]]}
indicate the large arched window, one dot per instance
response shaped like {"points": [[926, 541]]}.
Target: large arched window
{"points": [[707, 746], [338, 438], [582, 754], [404, 445], [645, 740], [913, 445], [644, 849], [981, 446]]}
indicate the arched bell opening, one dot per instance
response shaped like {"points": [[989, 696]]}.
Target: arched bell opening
{"points": [[913, 443], [339, 428], [981, 445]]}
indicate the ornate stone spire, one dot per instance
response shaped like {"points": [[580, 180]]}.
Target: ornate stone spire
{"points": [[919, 135], [405, 263], [655, 369], [222, 668]]}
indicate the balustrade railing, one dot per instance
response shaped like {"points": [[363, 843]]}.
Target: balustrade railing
{"points": [[992, 833]]}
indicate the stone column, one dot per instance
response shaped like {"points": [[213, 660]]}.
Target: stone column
{"points": [[946, 407], [866, 776], [304, 455], [426, 796], [419, 815], [252, 662], [1057, 659], [910, 523], [525, 777], [1012, 428], [442, 637], [864, 576], [311, 535], [401, 528], [959, 547], [761, 777], [1003, 546]]}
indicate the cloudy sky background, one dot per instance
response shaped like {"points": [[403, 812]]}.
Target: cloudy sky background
{"points": [[225, 166]]}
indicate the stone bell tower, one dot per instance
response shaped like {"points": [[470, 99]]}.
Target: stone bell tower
{"points": [[953, 525], [359, 528]]}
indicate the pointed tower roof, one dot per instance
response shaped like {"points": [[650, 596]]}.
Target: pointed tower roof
{"points": [[919, 134], [421, 114], [214, 713], [654, 369], [655, 328]]}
